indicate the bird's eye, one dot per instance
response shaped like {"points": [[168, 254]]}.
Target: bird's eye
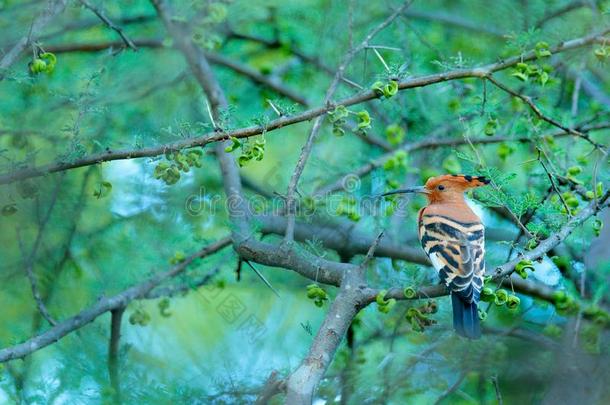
{"points": [[441, 187]]}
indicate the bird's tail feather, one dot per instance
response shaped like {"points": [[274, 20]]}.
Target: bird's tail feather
{"points": [[465, 318]]}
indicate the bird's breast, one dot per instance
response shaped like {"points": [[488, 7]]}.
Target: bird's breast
{"points": [[438, 231]]}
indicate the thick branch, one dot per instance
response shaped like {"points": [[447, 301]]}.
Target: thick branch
{"points": [[347, 241], [303, 381]]}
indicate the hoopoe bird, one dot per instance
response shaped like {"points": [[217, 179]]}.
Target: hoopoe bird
{"points": [[453, 237]]}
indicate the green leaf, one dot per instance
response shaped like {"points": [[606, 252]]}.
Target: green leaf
{"points": [[364, 119], [490, 127], [339, 113], [395, 134], [236, 144], [542, 50], [520, 75], [104, 188], [338, 131], [377, 87], [390, 89], [8, 210]]}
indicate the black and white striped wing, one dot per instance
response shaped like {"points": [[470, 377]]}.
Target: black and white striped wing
{"points": [[457, 252]]}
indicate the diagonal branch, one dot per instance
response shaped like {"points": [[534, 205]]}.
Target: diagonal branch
{"points": [[527, 100], [281, 122], [555, 239], [100, 14], [104, 305], [315, 129], [430, 142], [30, 259], [553, 184]]}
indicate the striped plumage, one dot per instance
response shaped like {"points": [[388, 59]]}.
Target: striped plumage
{"points": [[453, 237], [456, 250]]}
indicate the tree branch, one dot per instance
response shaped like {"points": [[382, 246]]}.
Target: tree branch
{"points": [[317, 125], [454, 20], [439, 143], [345, 240], [303, 382], [214, 58], [30, 259], [544, 117], [53, 8], [102, 306], [272, 387], [113, 352], [100, 14], [549, 243], [281, 122]]}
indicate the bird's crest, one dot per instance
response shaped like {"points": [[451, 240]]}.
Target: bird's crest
{"points": [[464, 180]]}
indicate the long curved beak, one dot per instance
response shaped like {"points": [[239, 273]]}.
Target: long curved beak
{"points": [[420, 189]]}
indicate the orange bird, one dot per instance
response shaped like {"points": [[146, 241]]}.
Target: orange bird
{"points": [[453, 237]]}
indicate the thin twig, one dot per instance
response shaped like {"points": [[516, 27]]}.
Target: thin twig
{"points": [[452, 388], [173, 290], [527, 100], [31, 258], [371, 251], [113, 351], [494, 380], [104, 305], [553, 185], [306, 150], [29, 271], [100, 14], [260, 275], [282, 122]]}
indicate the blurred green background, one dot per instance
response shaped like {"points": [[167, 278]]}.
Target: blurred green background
{"points": [[96, 240]]}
